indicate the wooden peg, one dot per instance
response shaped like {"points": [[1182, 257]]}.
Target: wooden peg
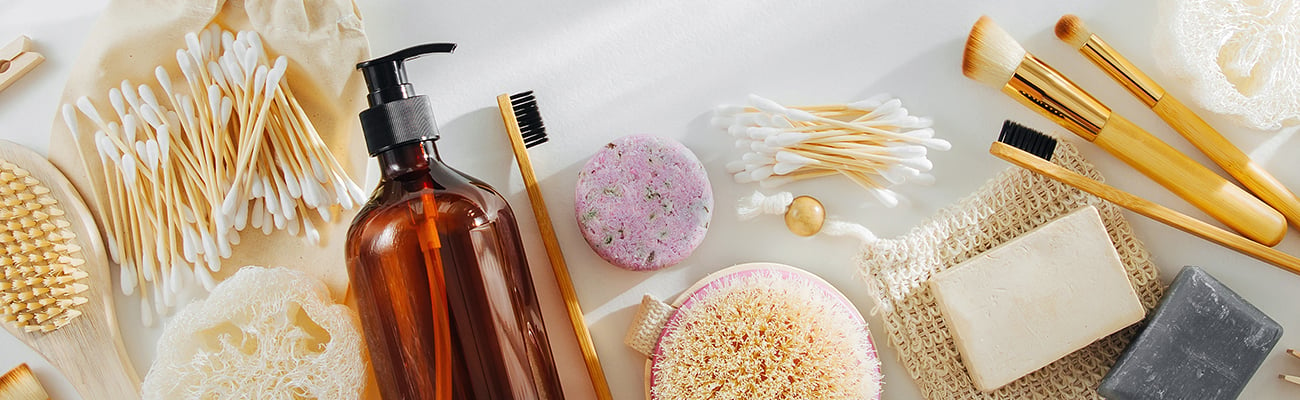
{"points": [[16, 60]]}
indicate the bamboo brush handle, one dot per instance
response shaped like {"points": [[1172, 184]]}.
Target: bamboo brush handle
{"points": [[1146, 207], [1229, 157], [553, 251], [1206, 190]]}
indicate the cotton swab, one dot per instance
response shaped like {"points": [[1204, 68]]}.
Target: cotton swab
{"points": [[874, 142], [188, 167]]}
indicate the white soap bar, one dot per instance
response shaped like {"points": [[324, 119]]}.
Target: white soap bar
{"points": [[1035, 299]]}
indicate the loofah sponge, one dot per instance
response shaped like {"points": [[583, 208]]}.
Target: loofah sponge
{"points": [[262, 334], [41, 284], [1241, 57], [765, 331]]}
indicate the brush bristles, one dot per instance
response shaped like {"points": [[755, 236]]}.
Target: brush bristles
{"points": [[1072, 30], [1027, 139], [765, 335], [992, 56], [529, 118], [40, 288], [20, 384]]}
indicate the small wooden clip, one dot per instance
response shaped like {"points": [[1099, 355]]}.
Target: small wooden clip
{"points": [[16, 60], [1290, 378]]}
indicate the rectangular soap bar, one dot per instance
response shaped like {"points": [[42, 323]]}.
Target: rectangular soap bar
{"points": [[1034, 299], [1203, 342]]}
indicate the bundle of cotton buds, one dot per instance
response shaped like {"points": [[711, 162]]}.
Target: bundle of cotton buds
{"points": [[873, 142], [185, 172]]}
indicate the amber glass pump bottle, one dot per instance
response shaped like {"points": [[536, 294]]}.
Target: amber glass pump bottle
{"points": [[442, 285]]}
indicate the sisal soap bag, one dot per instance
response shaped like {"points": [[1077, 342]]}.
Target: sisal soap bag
{"points": [[897, 271], [323, 40]]}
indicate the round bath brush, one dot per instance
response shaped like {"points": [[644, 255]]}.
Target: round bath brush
{"points": [[757, 331], [55, 292], [643, 202]]}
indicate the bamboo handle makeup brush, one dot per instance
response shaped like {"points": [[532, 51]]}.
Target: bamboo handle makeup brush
{"points": [[1072, 30], [1031, 150], [519, 111], [992, 57]]}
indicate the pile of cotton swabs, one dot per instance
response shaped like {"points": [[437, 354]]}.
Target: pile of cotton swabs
{"points": [[873, 142], [187, 171]]}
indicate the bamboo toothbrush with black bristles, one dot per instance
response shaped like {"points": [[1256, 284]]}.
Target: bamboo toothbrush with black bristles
{"points": [[524, 127], [993, 58], [1032, 150], [1254, 177]]}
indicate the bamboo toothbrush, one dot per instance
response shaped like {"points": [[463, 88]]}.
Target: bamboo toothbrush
{"points": [[524, 127], [992, 57], [1072, 30], [20, 384], [56, 292], [1033, 150]]}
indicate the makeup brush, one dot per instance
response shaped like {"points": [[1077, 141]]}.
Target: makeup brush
{"points": [[524, 127], [1032, 150], [1072, 30], [993, 58], [20, 384]]}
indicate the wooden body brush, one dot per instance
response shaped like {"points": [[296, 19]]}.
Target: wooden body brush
{"points": [[992, 57], [1251, 175], [524, 127], [56, 289]]}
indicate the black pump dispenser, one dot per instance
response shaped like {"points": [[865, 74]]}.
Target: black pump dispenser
{"points": [[396, 115]]}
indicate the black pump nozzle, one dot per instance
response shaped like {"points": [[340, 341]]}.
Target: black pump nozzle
{"points": [[386, 76], [396, 115]]}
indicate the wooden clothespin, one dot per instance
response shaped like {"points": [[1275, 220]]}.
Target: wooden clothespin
{"points": [[1290, 378], [16, 60]]}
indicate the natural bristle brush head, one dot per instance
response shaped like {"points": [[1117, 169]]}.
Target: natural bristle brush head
{"points": [[992, 55], [1027, 139], [765, 331], [39, 288], [529, 118], [41, 284], [1072, 30], [20, 384]]}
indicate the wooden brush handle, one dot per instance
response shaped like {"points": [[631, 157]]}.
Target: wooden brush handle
{"points": [[1147, 208], [1206, 190], [553, 251], [1229, 157]]}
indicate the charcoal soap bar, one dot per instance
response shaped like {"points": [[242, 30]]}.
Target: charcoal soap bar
{"points": [[1203, 342]]}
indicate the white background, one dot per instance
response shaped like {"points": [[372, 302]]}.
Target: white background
{"points": [[604, 69]]}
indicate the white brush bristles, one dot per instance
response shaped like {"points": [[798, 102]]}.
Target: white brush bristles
{"points": [[1072, 30], [992, 55], [187, 167]]}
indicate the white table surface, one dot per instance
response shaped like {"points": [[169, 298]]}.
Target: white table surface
{"points": [[603, 69]]}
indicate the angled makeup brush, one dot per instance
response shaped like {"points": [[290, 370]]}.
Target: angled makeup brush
{"points": [[524, 126], [1072, 30], [993, 58], [1032, 150]]}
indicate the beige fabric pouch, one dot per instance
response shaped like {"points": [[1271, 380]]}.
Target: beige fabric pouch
{"points": [[323, 40]]}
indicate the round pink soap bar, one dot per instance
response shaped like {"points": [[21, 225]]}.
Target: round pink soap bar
{"points": [[643, 202]]}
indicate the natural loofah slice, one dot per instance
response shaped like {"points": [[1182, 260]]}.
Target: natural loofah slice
{"points": [[262, 334], [765, 331], [1240, 56], [41, 286]]}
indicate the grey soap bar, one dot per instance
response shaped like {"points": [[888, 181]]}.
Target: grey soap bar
{"points": [[1202, 342]]}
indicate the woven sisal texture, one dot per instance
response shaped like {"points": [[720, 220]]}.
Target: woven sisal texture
{"points": [[1011, 204]]}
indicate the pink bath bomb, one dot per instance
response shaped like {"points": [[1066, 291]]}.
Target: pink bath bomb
{"points": [[643, 202]]}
